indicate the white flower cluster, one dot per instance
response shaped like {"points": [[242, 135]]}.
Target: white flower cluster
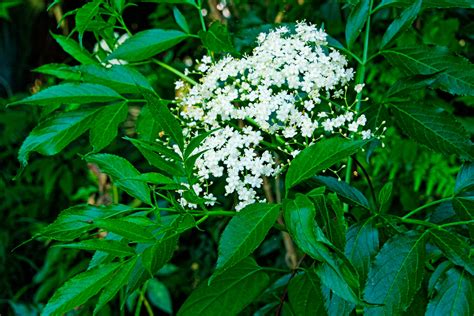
{"points": [[285, 89]]}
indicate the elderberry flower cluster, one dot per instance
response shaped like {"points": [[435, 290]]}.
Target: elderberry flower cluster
{"points": [[286, 89]]}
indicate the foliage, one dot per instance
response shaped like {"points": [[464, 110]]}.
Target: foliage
{"points": [[108, 160]]}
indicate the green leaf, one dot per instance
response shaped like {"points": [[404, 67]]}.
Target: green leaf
{"points": [[147, 127], [411, 88], [55, 133], [155, 257], [304, 294], [437, 130], [155, 159], [168, 122], [154, 178], [119, 168], [114, 286], [384, 197], [159, 295], [112, 247], [464, 208], [181, 20], [335, 305], [337, 275], [319, 157], [244, 233], [456, 74], [454, 248], [76, 93], [465, 179], [428, 4], [60, 71], [455, 295], [347, 192], [80, 289], [234, 290], [217, 39], [71, 47], [396, 274], [74, 221], [106, 122], [403, 22], [146, 44], [85, 15], [123, 79], [332, 216], [127, 229], [356, 21], [362, 243]]}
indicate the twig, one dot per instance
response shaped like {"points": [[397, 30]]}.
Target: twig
{"points": [[285, 292]]}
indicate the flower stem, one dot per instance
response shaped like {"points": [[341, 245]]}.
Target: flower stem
{"points": [[359, 80], [175, 71], [426, 206], [458, 223]]}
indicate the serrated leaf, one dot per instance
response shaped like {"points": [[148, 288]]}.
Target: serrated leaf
{"points": [[159, 295], [55, 133], [234, 289], [60, 71], [331, 214], [155, 257], [437, 130], [454, 248], [155, 159], [465, 179], [112, 247], [74, 221], [147, 127], [79, 289], [106, 122], [168, 122], [299, 217], [396, 274], [244, 233], [304, 294], [403, 22], [336, 306], [73, 48], [123, 79], [464, 208], [76, 93], [345, 191], [320, 156], [362, 243], [456, 74], [114, 286], [384, 197], [154, 178], [455, 295], [85, 15], [356, 21], [127, 229], [437, 275], [217, 39], [411, 88], [119, 168], [181, 20], [146, 44]]}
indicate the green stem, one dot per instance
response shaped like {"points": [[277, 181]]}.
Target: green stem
{"points": [[418, 222], [458, 223], [175, 71], [426, 206], [360, 79]]}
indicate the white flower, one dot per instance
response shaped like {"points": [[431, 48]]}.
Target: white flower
{"points": [[366, 134], [358, 87], [279, 88]]}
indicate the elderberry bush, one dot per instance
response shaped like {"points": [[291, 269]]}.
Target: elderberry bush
{"points": [[241, 158]]}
